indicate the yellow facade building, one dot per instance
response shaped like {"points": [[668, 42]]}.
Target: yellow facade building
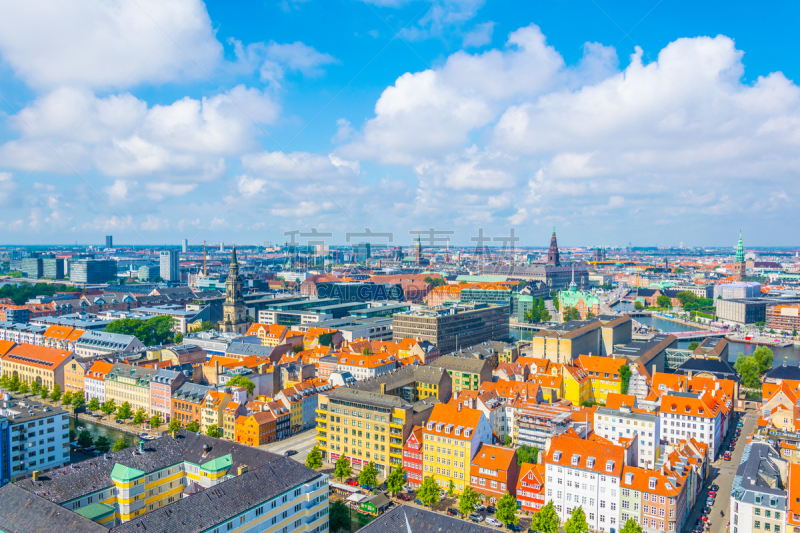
{"points": [[450, 439]]}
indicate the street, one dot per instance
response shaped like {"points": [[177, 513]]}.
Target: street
{"points": [[722, 473], [301, 442]]}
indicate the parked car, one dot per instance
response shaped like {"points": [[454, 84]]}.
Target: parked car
{"points": [[492, 521], [513, 527], [353, 482], [475, 517], [710, 502], [727, 456], [715, 487], [707, 510], [405, 497], [289, 453], [118, 421], [418, 502], [491, 510], [712, 494], [480, 508]]}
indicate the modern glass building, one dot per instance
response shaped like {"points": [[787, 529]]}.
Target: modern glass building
{"points": [[93, 271]]}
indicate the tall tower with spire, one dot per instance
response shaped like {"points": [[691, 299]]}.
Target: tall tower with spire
{"points": [[419, 251], [739, 266], [234, 319], [552, 253]]}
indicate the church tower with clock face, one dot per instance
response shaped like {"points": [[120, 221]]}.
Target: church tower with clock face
{"points": [[234, 319]]}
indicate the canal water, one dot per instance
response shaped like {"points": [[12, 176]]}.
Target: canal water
{"points": [[109, 432], [789, 355]]}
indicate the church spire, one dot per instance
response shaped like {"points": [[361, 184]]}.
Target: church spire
{"points": [[740, 250], [233, 256], [552, 253]]}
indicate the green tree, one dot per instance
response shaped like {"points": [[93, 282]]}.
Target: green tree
{"points": [[36, 388], [366, 351], [692, 346], [56, 394], [139, 417], [24, 291], [44, 393], [342, 469], [763, 357], [23, 388], [297, 349], [156, 421], [124, 411], [339, 516], [178, 338], [214, 431], [103, 444], [639, 306], [507, 509], [174, 425], [662, 301], [67, 397], [576, 522], [325, 339], [85, 439], [72, 435], [94, 404], [469, 501], [242, 381], [631, 527], [369, 475], [396, 480], [193, 426], [748, 370], [108, 407], [527, 454], [119, 445], [625, 377], [314, 458], [206, 325], [4, 381], [507, 441], [78, 402], [451, 488], [428, 492], [156, 330], [686, 298], [570, 313], [13, 383], [546, 519]]}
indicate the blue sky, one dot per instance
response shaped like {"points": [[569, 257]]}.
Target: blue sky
{"points": [[653, 123]]}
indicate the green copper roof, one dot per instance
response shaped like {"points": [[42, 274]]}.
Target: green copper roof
{"points": [[571, 297], [740, 250], [220, 463], [125, 473], [96, 511]]}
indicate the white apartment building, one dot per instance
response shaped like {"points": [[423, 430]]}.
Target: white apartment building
{"points": [[366, 366], [587, 474], [628, 423], [686, 415], [39, 436]]}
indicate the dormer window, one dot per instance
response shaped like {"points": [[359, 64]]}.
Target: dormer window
{"points": [[575, 459], [652, 484], [628, 478], [688, 409], [674, 407], [458, 431], [430, 426], [557, 456], [590, 462], [700, 410], [609, 466]]}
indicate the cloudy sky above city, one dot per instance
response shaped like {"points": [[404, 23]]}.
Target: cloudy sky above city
{"points": [[654, 123]]}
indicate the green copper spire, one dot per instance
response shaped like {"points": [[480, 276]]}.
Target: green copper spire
{"points": [[740, 250]]}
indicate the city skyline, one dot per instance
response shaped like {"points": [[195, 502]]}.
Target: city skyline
{"points": [[212, 122]]}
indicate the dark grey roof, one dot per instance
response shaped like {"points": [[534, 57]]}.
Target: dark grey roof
{"points": [[244, 348], [718, 367], [70, 482], [402, 377], [23, 512], [165, 377], [224, 501], [407, 519], [191, 392], [784, 372], [761, 471], [460, 364], [32, 410]]}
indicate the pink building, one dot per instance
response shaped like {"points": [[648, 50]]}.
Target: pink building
{"points": [[162, 386]]}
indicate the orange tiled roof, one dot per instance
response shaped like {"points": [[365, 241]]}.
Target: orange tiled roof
{"points": [[446, 418], [37, 356], [603, 365], [600, 457], [642, 480], [5, 346], [493, 458], [65, 333], [615, 400], [793, 495], [366, 361]]}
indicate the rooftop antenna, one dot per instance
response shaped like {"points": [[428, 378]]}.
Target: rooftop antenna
{"points": [[205, 272]]}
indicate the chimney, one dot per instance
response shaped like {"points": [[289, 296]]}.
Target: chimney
{"points": [[689, 375], [242, 469], [141, 446], [653, 373], [206, 449], [36, 475], [459, 406]]}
